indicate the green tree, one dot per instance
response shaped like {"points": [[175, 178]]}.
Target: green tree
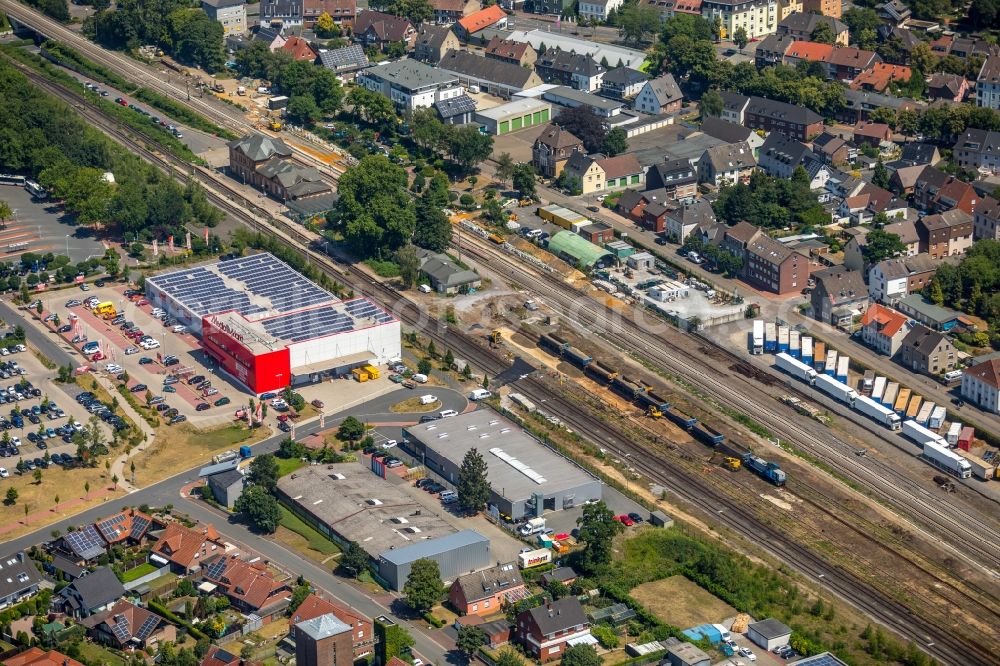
{"points": [[524, 180], [374, 212], [598, 529], [6, 213], [469, 640], [423, 588], [636, 22], [259, 508], [299, 594], [473, 486], [263, 472], [881, 245], [740, 38], [303, 110], [468, 146], [350, 430], [584, 125], [880, 177], [580, 655], [505, 167], [433, 228], [354, 559], [409, 264], [823, 33], [289, 449], [424, 366], [38, 476], [325, 27], [11, 497], [615, 142], [509, 657], [712, 104]]}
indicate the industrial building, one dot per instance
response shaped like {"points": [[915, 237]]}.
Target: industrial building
{"points": [[456, 554], [527, 478], [513, 116], [269, 326], [578, 251]]}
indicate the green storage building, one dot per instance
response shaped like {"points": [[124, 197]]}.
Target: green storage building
{"points": [[513, 116], [578, 251]]}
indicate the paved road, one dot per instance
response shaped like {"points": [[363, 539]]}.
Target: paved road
{"points": [[48, 344]]}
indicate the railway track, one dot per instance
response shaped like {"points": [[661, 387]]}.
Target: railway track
{"points": [[690, 488]]}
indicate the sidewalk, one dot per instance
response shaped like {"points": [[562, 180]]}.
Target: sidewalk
{"points": [[36, 516]]}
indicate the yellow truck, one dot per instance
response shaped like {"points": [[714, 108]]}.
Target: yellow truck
{"points": [[105, 308]]}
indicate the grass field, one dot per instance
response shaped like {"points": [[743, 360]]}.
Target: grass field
{"points": [[288, 465], [138, 572], [177, 448], [679, 602], [94, 654], [414, 406], [311, 543]]}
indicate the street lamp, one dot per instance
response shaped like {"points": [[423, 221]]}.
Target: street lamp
{"points": [[67, 246]]}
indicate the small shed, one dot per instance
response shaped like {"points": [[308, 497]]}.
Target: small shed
{"points": [[641, 261], [620, 249], [769, 633], [660, 519], [564, 575], [686, 654]]}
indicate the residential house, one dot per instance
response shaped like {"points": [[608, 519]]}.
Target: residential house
{"points": [[917, 153], [129, 526], [926, 351], [552, 149], [19, 579], [323, 641], [871, 200], [883, 329], [788, 7], [903, 181], [949, 87], [486, 592], [757, 17], [126, 626], [281, 13], [986, 220], [82, 545], [345, 62], [873, 134], [379, 29], [265, 163], [978, 149], [226, 487], [89, 594], [632, 203], [728, 132], [545, 631], [824, 7], [903, 41], [677, 177], [38, 657], [622, 171], [659, 95], [549, 6], [680, 220], [945, 234], [727, 164], [880, 76], [341, 11], [598, 10], [185, 548], [843, 63], [654, 216], [771, 116], [491, 76], [411, 84], [488, 17], [251, 587], [232, 14], [893, 279], [935, 191], [734, 106], [299, 49], [981, 385], [576, 70], [623, 83], [859, 105], [447, 12], [362, 629], [780, 155], [270, 36], [774, 267], [459, 110], [894, 12], [839, 296], [563, 575], [509, 51], [587, 171], [988, 84], [834, 150], [433, 42], [216, 656], [771, 50], [445, 275], [802, 25]]}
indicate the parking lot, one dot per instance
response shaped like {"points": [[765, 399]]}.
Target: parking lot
{"points": [[41, 227]]}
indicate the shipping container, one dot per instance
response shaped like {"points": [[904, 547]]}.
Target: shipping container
{"points": [[902, 400], [889, 396], [920, 434], [965, 438], [947, 460], [819, 356], [561, 216], [831, 363], [600, 372], [878, 388], [680, 418], [807, 351], [924, 415], [875, 410], [706, 434], [795, 344], [534, 558], [757, 337], [913, 408], [577, 357], [836, 389], [783, 339], [795, 368], [843, 367], [938, 415], [770, 337], [953, 433]]}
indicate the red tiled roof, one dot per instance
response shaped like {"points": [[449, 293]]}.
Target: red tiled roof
{"points": [[299, 48], [809, 50], [484, 18], [118, 527], [880, 75], [891, 322], [622, 165], [506, 48], [314, 606], [848, 56], [873, 130], [216, 656], [987, 372], [39, 657], [252, 584], [187, 547]]}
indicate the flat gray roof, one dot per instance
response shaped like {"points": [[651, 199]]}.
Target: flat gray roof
{"points": [[433, 547], [518, 465], [581, 97], [362, 507]]}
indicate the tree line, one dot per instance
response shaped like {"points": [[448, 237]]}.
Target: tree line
{"points": [[973, 286]]}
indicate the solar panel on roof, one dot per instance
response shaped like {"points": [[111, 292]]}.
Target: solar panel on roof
{"points": [[139, 527], [216, 568], [119, 627], [147, 627], [85, 542]]}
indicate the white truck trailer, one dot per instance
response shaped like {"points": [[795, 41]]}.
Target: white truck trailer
{"points": [[877, 411], [838, 390], [924, 415], [757, 337], [831, 363], [953, 432], [921, 435], [795, 367], [947, 460], [938, 415], [889, 396], [878, 388]]}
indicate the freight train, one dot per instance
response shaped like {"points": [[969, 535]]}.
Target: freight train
{"points": [[655, 405]]}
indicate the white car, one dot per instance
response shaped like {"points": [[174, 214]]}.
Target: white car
{"points": [[448, 413], [179, 329], [747, 653], [113, 368], [4, 473], [131, 350], [16, 441], [389, 443], [149, 344], [428, 399]]}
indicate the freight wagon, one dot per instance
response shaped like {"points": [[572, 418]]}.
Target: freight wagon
{"points": [[578, 358], [807, 351], [889, 397], [653, 403], [838, 390], [946, 460], [757, 337], [875, 410], [707, 434], [921, 435], [552, 342], [600, 372], [680, 418], [626, 388], [795, 368], [769, 471]]}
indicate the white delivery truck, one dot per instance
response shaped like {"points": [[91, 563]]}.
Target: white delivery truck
{"points": [[532, 527]]}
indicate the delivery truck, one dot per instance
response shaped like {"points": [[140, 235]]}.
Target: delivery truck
{"points": [[947, 460]]}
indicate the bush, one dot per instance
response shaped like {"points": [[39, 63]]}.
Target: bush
{"points": [[467, 200], [605, 635]]}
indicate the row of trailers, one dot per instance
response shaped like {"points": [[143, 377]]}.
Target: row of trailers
{"points": [[651, 400], [934, 449]]}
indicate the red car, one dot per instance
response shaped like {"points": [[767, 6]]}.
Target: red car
{"points": [[99, 356], [625, 520]]}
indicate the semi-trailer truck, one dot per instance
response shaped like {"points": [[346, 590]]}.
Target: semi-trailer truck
{"points": [[947, 460], [922, 435], [795, 368], [874, 410], [838, 390]]}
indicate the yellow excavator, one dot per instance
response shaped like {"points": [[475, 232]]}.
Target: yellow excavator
{"points": [[654, 412], [731, 463], [495, 337]]}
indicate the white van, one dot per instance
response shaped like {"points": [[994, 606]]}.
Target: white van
{"points": [[953, 376], [447, 413], [428, 399], [419, 378], [480, 394], [424, 289]]}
